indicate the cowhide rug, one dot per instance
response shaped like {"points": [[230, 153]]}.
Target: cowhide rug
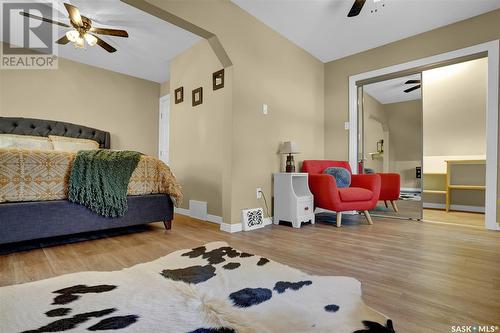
{"points": [[213, 288]]}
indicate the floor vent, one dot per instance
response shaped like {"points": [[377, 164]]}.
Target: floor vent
{"points": [[252, 218], [198, 209]]}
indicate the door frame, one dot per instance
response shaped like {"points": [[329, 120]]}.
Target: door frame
{"points": [[491, 50], [164, 122]]}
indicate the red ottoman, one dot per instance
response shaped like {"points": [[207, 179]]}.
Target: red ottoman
{"points": [[390, 188]]}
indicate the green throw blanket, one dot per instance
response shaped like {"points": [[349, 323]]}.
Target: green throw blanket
{"points": [[99, 180]]}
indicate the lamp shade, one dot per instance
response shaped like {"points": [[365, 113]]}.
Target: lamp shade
{"points": [[289, 147]]}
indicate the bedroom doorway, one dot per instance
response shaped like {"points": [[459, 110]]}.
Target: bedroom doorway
{"points": [[164, 130]]}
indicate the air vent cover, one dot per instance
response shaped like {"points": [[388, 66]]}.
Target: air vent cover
{"points": [[252, 218]]}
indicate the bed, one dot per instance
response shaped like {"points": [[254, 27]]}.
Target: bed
{"points": [[28, 220]]}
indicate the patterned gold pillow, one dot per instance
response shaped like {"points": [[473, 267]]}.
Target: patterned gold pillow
{"points": [[25, 142], [63, 143]]}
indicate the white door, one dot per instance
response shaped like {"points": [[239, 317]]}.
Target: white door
{"points": [[164, 121]]}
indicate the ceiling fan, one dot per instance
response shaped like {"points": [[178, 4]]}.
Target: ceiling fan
{"points": [[418, 85], [83, 30], [357, 6]]}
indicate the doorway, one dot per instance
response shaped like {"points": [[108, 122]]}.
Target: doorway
{"points": [[489, 50], [164, 130], [390, 143]]}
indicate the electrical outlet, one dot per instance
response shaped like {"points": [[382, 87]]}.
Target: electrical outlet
{"points": [[264, 108], [259, 192], [347, 125]]}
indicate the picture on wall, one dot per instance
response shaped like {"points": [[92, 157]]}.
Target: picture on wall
{"points": [[179, 95], [218, 79], [198, 96]]}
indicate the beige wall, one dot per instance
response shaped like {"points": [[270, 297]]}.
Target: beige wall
{"points": [[454, 109], [267, 69], [405, 128], [165, 88], [85, 95], [374, 122], [196, 133]]}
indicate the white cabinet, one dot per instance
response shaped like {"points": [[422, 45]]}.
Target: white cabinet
{"points": [[293, 201]]}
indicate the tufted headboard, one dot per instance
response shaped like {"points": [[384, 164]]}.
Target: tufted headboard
{"points": [[40, 127]]}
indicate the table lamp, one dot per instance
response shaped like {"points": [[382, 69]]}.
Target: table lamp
{"points": [[290, 148]]}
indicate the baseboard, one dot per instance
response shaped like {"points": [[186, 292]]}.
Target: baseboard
{"points": [[411, 189], [268, 220], [214, 218], [210, 217], [462, 208], [182, 211], [231, 228]]}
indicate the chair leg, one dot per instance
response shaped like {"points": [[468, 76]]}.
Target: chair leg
{"points": [[368, 217], [393, 204], [339, 219], [386, 205], [167, 224]]}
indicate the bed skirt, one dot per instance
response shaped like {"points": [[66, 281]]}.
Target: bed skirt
{"points": [[20, 221]]}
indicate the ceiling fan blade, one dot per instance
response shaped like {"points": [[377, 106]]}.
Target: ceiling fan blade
{"points": [[356, 8], [412, 81], [63, 40], [110, 32], [74, 14], [412, 88], [43, 19], [105, 45]]}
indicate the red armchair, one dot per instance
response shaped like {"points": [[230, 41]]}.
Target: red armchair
{"points": [[362, 195], [390, 188]]}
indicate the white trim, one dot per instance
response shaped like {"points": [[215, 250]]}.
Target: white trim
{"points": [[182, 211], [214, 218], [491, 114], [410, 189], [231, 227], [210, 217], [462, 208], [164, 100]]}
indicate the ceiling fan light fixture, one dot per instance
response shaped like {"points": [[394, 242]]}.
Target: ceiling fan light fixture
{"points": [[72, 35], [91, 40], [79, 43]]}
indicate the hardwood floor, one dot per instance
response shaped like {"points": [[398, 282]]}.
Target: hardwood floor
{"points": [[424, 276], [454, 217]]}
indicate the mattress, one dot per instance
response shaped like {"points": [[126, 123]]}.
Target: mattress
{"points": [[30, 175]]}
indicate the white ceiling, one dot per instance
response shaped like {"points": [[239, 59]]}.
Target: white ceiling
{"points": [[323, 29], [392, 91], [145, 54]]}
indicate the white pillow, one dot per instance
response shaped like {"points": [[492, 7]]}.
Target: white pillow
{"points": [[64, 143], [25, 142]]}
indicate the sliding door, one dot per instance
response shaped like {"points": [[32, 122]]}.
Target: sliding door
{"points": [[390, 143]]}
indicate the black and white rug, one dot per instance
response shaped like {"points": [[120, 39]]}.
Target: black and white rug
{"points": [[209, 289]]}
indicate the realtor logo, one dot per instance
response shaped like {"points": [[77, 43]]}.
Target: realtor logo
{"points": [[28, 43]]}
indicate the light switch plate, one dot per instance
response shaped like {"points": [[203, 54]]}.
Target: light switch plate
{"points": [[347, 125], [264, 108]]}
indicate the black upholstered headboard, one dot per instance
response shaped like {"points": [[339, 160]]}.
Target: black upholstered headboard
{"points": [[40, 127]]}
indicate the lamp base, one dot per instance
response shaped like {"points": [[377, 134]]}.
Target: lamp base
{"points": [[290, 164]]}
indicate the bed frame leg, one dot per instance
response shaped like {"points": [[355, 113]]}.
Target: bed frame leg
{"points": [[168, 224]]}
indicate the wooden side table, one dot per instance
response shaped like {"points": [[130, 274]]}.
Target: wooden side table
{"points": [[293, 201]]}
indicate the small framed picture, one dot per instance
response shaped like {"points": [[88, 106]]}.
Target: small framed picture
{"points": [[179, 95], [198, 96], [218, 79]]}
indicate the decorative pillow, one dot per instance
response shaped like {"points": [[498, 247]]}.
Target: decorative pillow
{"points": [[63, 143], [25, 142], [342, 176]]}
